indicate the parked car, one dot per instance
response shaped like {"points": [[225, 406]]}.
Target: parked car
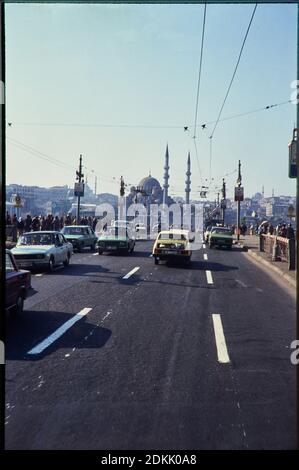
{"points": [[221, 236], [81, 236], [18, 282], [42, 250], [172, 244], [114, 241]]}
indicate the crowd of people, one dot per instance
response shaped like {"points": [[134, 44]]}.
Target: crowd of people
{"points": [[41, 222]]}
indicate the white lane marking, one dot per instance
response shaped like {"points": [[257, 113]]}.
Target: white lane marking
{"points": [[38, 275], [131, 273], [222, 353], [205, 256], [204, 245], [59, 332], [151, 255], [95, 254], [209, 277], [241, 283]]}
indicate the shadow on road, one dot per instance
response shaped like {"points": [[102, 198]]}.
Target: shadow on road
{"points": [[33, 327]]}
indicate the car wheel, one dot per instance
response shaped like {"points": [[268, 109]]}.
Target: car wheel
{"points": [[93, 247], [51, 265], [19, 306], [100, 252], [156, 261], [67, 260], [210, 246]]}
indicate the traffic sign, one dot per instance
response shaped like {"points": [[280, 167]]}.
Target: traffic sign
{"points": [[79, 189], [239, 193]]}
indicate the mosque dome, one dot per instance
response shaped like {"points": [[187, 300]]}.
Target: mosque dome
{"points": [[150, 184]]}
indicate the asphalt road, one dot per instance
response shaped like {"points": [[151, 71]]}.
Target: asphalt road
{"points": [[173, 357]]}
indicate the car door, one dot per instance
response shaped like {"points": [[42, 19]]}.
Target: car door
{"points": [[59, 255], [12, 281], [64, 247]]}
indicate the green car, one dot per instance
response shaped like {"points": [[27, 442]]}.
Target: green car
{"points": [[221, 236], [115, 241], [80, 236]]}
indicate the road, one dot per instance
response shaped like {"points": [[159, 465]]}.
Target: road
{"points": [[172, 357]]}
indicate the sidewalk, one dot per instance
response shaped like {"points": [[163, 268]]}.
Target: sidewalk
{"points": [[250, 243]]}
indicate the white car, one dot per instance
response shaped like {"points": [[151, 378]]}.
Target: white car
{"points": [[140, 231], [42, 250]]}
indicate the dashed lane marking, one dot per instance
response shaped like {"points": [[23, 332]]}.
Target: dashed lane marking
{"points": [[204, 245], [131, 273], [38, 275], [59, 332], [205, 256], [222, 353], [209, 277], [95, 254], [241, 283]]}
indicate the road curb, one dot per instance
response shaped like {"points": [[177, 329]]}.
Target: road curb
{"points": [[283, 275]]}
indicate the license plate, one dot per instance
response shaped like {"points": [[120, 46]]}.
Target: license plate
{"points": [[109, 247], [168, 252]]}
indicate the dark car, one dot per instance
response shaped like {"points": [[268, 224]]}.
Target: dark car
{"points": [[80, 236], [116, 240], [18, 282]]}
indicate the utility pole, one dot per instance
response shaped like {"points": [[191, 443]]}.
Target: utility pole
{"points": [[95, 185], [80, 190], [239, 182], [218, 199], [223, 203]]}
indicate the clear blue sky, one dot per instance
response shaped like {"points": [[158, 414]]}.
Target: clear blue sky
{"points": [[138, 65]]}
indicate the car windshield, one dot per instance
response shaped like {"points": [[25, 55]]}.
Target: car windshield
{"points": [[73, 231], [116, 231], [223, 230], [172, 236], [37, 239]]}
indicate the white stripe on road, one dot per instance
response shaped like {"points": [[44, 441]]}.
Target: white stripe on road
{"points": [[241, 283], [204, 245], [131, 273], [37, 275], [205, 256], [95, 254], [59, 332], [222, 353], [209, 277]]}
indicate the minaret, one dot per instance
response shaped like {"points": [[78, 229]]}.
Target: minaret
{"points": [[166, 176], [263, 191], [188, 180]]}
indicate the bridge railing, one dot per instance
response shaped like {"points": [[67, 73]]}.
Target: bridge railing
{"points": [[279, 249]]}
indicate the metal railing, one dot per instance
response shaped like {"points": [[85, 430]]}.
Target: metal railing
{"points": [[279, 248]]}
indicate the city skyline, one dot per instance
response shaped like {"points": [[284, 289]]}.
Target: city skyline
{"points": [[126, 86]]}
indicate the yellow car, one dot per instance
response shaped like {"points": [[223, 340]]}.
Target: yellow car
{"points": [[172, 245]]}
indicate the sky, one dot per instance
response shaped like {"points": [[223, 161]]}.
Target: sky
{"points": [[96, 80]]}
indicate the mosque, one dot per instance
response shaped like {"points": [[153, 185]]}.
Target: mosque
{"points": [[149, 190]]}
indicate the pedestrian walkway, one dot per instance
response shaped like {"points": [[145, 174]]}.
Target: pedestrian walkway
{"points": [[251, 243]]}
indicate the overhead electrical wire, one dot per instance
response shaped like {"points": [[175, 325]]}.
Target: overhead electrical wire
{"points": [[198, 85], [230, 85], [235, 70], [55, 161], [132, 126]]}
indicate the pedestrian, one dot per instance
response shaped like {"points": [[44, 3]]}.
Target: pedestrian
{"points": [[35, 224], [28, 223], [56, 224], [14, 228], [290, 234], [20, 226]]}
